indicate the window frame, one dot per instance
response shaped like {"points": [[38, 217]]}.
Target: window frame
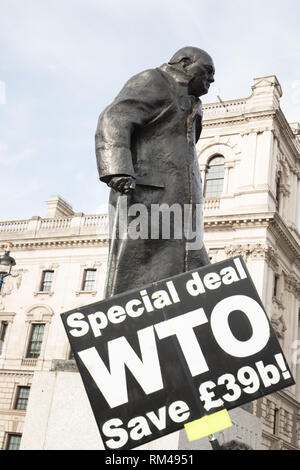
{"points": [[43, 281], [8, 439], [207, 179], [3, 334], [276, 285], [3, 330], [85, 280], [31, 341], [2, 283], [71, 356], [278, 192], [18, 397]]}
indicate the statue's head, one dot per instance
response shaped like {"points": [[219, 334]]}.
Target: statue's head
{"points": [[198, 66]]}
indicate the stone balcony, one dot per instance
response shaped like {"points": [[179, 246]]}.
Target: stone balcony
{"points": [[213, 110], [75, 225], [41, 228], [211, 204]]}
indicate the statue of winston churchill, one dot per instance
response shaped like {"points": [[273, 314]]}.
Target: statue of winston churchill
{"points": [[145, 149]]}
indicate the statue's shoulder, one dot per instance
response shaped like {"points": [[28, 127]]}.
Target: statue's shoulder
{"points": [[148, 85], [149, 77]]}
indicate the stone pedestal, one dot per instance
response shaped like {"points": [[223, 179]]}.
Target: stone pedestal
{"points": [[59, 416]]}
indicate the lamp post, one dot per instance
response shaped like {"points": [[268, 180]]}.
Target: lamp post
{"points": [[7, 261]]}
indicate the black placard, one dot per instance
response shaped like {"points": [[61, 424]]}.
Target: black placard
{"points": [[156, 358]]}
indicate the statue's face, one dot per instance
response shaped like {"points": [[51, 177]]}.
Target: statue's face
{"points": [[202, 71]]}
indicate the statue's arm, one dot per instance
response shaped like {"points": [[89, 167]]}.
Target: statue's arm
{"points": [[137, 104]]}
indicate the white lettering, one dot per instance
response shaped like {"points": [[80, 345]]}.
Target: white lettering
{"points": [[173, 292], [223, 334], [207, 396], [161, 299], [229, 276], [134, 313], [146, 301], [76, 321], [182, 327], [109, 429], [179, 411], [116, 314], [240, 268], [140, 428], [113, 384], [269, 374], [98, 322], [212, 281], [160, 421], [195, 286]]}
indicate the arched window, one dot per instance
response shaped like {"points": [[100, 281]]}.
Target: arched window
{"points": [[214, 177]]}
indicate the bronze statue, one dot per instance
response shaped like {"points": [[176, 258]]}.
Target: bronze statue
{"points": [[145, 148]]}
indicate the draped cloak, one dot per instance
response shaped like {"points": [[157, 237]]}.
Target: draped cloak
{"points": [[149, 132]]}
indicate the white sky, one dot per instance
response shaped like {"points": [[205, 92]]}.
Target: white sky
{"points": [[63, 61]]}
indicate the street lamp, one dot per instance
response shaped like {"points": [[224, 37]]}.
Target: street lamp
{"points": [[7, 261]]}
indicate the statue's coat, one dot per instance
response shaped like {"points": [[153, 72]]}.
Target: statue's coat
{"points": [[149, 132]]}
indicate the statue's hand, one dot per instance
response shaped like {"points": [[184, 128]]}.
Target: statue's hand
{"points": [[122, 184]]}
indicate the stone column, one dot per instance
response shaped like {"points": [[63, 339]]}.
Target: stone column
{"points": [[248, 162], [298, 202], [263, 159], [294, 199]]}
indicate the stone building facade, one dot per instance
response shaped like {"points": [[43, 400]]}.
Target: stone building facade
{"points": [[61, 264], [254, 211], [249, 157]]}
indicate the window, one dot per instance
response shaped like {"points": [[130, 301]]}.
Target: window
{"points": [[276, 421], [13, 441], [276, 281], [278, 192], [71, 355], [214, 177], [47, 279], [89, 280], [3, 330], [35, 341], [2, 281], [22, 398]]}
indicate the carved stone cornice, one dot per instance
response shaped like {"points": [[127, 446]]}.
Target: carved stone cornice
{"points": [[219, 222], [15, 373], [236, 250], [223, 120], [281, 232], [7, 316], [62, 243], [272, 221]]}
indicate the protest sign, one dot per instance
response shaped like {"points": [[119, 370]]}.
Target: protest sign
{"points": [[156, 358]]}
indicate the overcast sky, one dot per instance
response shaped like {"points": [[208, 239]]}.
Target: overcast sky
{"points": [[63, 61]]}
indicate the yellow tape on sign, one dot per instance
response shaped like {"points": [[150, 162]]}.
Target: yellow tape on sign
{"points": [[208, 425]]}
